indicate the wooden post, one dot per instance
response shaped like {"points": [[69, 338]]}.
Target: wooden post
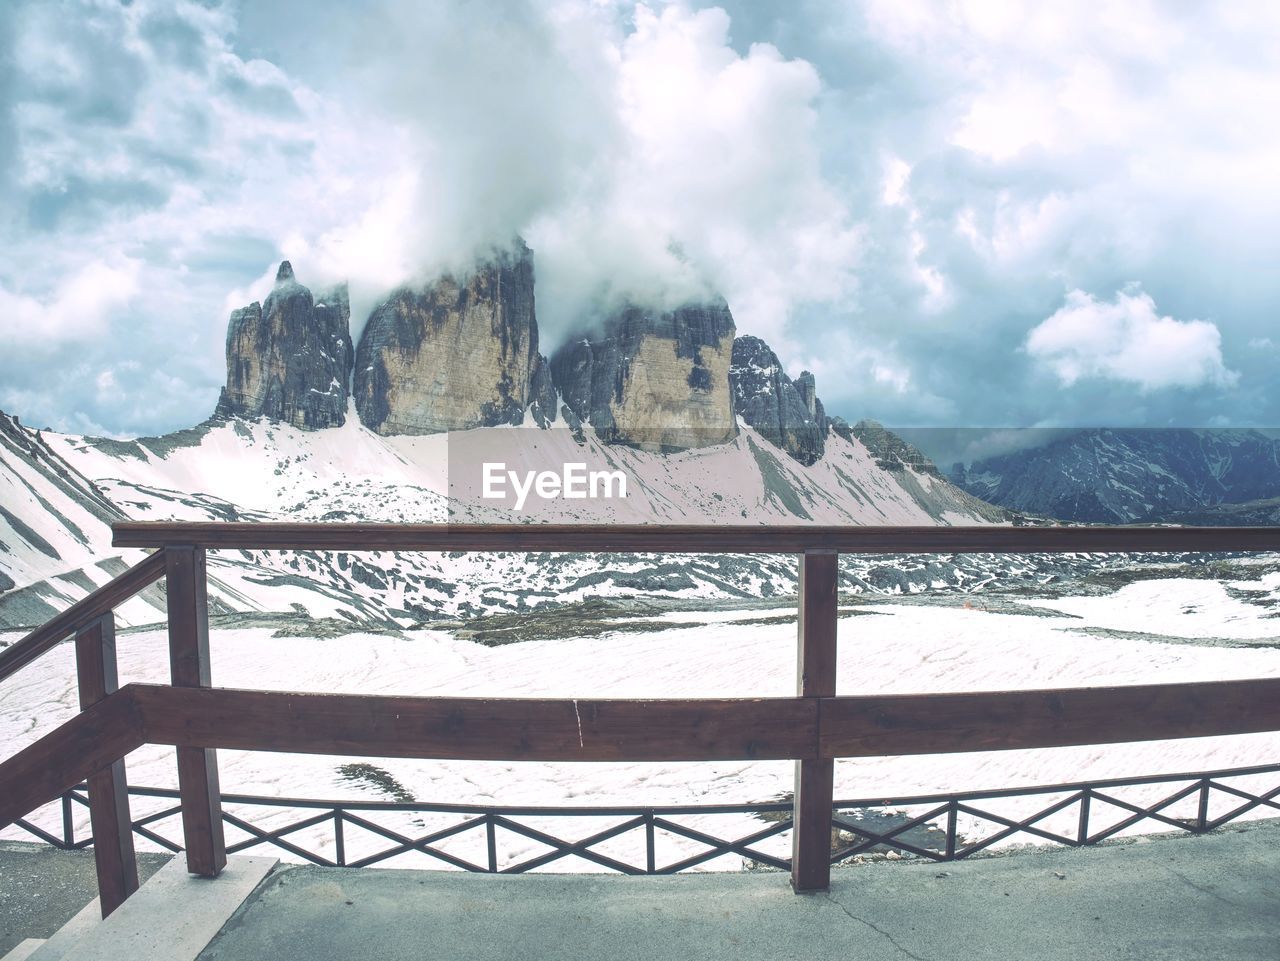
{"points": [[816, 677], [108, 791], [187, 591]]}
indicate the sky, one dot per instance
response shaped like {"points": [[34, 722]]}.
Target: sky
{"points": [[955, 213]]}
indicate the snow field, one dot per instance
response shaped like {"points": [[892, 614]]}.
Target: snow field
{"points": [[898, 648]]}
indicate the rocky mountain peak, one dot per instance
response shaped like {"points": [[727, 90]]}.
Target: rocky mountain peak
{"points": [[289, 358], [891, 452], [784, 412], [456, 353], [652, 378]]}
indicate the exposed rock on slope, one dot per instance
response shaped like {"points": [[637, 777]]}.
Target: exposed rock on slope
{"points": [[653, 380], [1121, 476], [891, 452], [290, 357], [786, 413], [52, 518], [456, 354]]}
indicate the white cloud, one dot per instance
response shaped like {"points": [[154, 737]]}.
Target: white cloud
{"points": [[1126, 339], [648, 160], [78, 309]]}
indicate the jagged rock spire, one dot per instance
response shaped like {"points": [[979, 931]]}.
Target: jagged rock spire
{"points": [[657, 379], [290, 357], [785, 413], [457, 353]]}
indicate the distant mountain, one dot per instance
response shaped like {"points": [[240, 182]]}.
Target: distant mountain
{"points": [[1125, 476], [445, 386], [59, 494]]}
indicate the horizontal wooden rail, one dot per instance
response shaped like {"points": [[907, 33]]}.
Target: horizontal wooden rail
{"points": [[499, 729], [86, 610], [624, 730], [47, 769], [691, 539], [886, 725]]}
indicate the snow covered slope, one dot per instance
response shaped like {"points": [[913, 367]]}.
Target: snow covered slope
{"points": [[62, 492], [1124, 476], [1208, 630]]}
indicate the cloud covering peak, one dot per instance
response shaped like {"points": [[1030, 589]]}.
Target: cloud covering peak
{"points": [[935, 207]]}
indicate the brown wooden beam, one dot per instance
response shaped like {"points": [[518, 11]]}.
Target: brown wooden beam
{"points": [[57, 762], [815, 679], [693, 539], [83, 612], [187, 592], [887, 725], [113, 852], [500, 729]]}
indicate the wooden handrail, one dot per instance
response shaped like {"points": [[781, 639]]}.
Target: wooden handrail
{"points": [[948, 723], [690, 539], [625, 729], [813, 728], [69, 754], [548, 729], [102, 601], [494, 729]]}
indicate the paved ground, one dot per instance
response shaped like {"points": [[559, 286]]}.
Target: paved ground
{"points": [[1153, 899], [1195, 898], [42, 887]]}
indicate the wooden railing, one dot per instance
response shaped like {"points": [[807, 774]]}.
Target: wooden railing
{"points": [[814, 728]]}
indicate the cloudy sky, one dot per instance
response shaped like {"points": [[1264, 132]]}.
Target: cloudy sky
{"points": [[955, 212]]}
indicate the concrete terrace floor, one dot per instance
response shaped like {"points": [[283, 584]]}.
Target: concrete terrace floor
{"points": [[1211, 897], [1164, 897]]}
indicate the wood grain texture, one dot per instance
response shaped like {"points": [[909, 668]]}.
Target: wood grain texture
{"points": [[816, 625], [815, 678], [189, 664], [53, 765], [113, 852], [887, 725], [811, 835], [692, 539], [502, 729], [83, 612]]}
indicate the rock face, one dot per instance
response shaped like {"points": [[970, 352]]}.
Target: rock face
{"points": [[456, 354], [1128, 475], [785, 413], [653, 380], [290, 357], [891, 452]]}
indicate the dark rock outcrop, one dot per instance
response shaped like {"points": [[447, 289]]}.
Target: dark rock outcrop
{"points": [[542, 392], [891, 452], [1131, 475], [651, 379], [289, 358], [455, 354], [785, 413]]}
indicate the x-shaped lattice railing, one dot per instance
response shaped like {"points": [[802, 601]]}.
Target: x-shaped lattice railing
{"points": [[655, 821]]}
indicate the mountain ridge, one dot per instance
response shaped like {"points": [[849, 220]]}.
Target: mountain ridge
{"points": [[1130, 475]]}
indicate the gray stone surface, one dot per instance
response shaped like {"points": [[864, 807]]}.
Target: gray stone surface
{"points": [[70, 934], [655, 379], [454, 354], [174, 916], [24, 950], [891, 452], [290, 357], [786, 413], [1191, 898], [41, 888]]}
